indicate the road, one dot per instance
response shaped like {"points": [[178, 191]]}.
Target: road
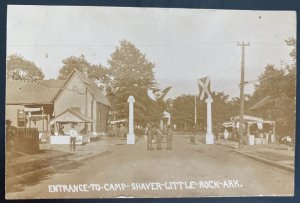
{"points": [[189, 170]]}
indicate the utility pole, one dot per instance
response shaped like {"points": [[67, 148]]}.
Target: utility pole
{"points": [[242, 96], [195, 118]]}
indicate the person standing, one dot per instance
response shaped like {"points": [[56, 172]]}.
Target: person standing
{"points": [[149, 134], [61, 130], [158, 136], [10, 139], [169, 137], [123, 130], [73, 135]]}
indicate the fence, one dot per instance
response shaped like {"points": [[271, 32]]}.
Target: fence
{"points": [[26, 140]]}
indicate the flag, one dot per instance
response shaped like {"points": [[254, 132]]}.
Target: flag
{"points": [[164, 92], [157, 94], [204, 87], [151, 95]]}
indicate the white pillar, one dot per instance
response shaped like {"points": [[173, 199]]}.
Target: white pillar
{"points": [[209, 135], [130, 135]]}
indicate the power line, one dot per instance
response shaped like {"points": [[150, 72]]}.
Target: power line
{"points": [[230, 68], [114, 45], [142, 44], [229, 58], [263, 79], [269, 44]]}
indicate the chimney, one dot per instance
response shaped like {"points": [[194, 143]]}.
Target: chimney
{"points": [[85, 70]]}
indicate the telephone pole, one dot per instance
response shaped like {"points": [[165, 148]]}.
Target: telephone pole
{"points": [[242, 96], [195, 118]]}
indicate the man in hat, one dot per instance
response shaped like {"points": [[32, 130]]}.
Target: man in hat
{"points": [[158, 136], [169, 137], [123, 130], [73, 135], [10, 139]]}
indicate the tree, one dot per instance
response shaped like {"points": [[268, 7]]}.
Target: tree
{"points": [[19, 68], [132, 74], [183, 110], [274, 83], [279, 84], [96, 72], [71, 63], [220, 108], [291, 41]]}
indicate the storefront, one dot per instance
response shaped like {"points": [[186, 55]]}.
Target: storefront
{"points": [[61, 124], [118, 127], [256, 130]]}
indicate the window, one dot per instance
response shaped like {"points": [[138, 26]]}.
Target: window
{"points": [[21, 118]]}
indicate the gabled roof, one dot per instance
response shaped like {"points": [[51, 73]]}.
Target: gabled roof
{"points": [[71, 116], [94, 89], [32, 92], [45, 91], [260, 103], [83, 77], [52, 83]]}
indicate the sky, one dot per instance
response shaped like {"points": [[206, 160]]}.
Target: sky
{"points": [[184, 44]]}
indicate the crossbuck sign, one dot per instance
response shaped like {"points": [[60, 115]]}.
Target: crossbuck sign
{"points": [[204, 87]]}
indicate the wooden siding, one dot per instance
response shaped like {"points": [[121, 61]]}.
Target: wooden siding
{"points": [[102, 117], [83, 100], [73, 95], [11, 113]]}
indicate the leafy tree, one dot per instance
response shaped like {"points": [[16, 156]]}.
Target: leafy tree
{"points": [[220, 108], [292, 68], [96, 72], [169, 104], [183, 110], [291, 41], [275, 82], [19, 68], [279, 84], [132, 74]]}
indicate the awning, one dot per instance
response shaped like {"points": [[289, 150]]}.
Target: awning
{"points": [[33, 109], [253, 119], [249, 119], [228, 124], [166, 114], [114, 122], [71, 116]]}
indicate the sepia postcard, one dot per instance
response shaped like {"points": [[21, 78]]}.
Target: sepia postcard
{"points": [[124, 102]]}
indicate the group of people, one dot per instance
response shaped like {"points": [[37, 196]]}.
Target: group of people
{"points": [[153, 133]]}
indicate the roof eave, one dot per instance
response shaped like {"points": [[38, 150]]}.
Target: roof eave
{"points": [[42, 103]]}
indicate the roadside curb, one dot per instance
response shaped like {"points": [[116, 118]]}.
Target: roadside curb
{"points": [[266, 161], [49, 169]]}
